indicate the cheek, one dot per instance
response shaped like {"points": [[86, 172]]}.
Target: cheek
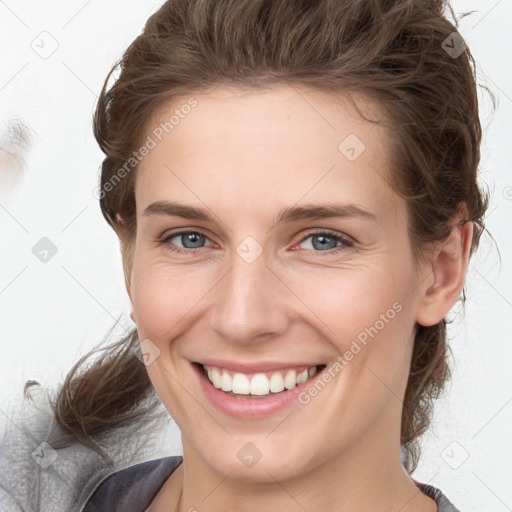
{"points": [[344, 303], [163, 295]]}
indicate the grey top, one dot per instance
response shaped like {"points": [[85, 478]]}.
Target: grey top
{"points": [[443, 503], [134, 488], [43, 469]]}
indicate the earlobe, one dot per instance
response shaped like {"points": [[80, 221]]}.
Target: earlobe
{"points": [[448, 269]]}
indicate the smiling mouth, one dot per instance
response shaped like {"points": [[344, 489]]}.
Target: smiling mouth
{"points": [[257, 385]]}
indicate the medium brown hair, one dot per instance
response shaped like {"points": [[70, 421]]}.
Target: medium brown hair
{"points": [[394, 51]]}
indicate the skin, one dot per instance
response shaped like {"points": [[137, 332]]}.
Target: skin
{"points": [[243, 155]]}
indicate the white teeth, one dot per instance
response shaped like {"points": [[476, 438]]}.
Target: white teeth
{"points": [[259, 384], [226, 382], [302, 376], [240, 384], [276, 383], [290, 381], [216, 378]]}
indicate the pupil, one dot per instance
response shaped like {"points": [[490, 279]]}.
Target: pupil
{"points": [[190, 238], [323, 244]]}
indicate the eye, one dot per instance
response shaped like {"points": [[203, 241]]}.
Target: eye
{"points": [[191, 240], [326, 241]]}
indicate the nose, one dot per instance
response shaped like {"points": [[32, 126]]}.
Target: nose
{"points": [[250, 303]]}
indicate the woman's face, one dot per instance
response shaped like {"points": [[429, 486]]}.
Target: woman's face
{"points": [[296, 255]]}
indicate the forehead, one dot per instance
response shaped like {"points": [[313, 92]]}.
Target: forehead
{"points": [[252, 149]]}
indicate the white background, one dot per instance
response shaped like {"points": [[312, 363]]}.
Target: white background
{"points": [[51, 313]]}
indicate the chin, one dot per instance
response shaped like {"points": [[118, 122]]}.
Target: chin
{"points": [[243, 461]]}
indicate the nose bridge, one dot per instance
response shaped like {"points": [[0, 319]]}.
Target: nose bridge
{"points": [[248, 300]]}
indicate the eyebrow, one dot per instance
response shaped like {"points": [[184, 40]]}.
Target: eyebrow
{"points": [[288, 214]]}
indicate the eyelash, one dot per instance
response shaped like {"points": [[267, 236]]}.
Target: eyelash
{"points": [[346, 242]]}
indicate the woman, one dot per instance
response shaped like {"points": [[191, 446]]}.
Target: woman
{"points": [[294, 189]]}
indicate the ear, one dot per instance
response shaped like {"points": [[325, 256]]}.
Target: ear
{"points": [[447, 270]]}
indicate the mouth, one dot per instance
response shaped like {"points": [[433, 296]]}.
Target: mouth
{"points": [[257, 385]]}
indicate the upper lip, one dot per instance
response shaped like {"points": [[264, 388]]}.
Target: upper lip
{"points": [[255, 367]]}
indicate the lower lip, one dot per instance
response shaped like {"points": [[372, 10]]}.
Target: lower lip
{"points": [[250, 408]]}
